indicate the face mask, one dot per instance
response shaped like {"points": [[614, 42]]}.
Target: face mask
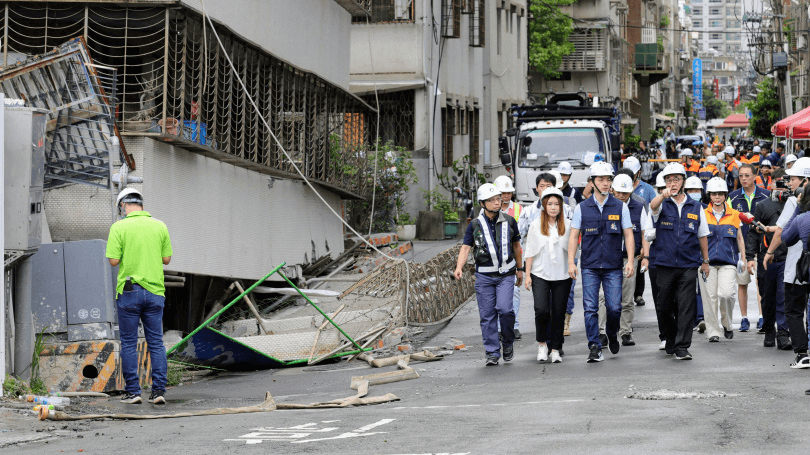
{"points": [[695, 196]]}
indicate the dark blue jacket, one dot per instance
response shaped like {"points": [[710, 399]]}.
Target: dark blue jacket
{"points": [[737, 201], [676, 239], [601, 234]]}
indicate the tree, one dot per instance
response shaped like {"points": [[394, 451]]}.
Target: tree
{"points": [[548, 36], [765, 109], [715, 108]]}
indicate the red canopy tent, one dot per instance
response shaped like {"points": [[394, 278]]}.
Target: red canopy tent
{"points": [[781, 128], [800, 129]]}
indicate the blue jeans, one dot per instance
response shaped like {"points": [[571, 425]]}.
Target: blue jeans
{"points": [[570, 308], [494, 295], [515, 307], [135, 306], [610, 280]]}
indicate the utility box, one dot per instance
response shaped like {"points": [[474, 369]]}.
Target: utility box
{"points": [[24, 176], [73, 290], [646, 55]]}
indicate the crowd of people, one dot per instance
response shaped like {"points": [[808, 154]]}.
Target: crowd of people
{"points": [[713, 219]]}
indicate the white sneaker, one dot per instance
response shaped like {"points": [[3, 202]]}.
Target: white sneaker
{"points": [[662, 346], [555, 357], [542, 353], [802, 361]]}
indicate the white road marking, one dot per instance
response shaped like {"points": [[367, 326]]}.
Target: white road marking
{"points": [[297, 434], [341, 436], [374, 425]]}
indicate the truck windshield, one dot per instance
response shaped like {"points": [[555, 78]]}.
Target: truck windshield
{"points": [[561, 144]]}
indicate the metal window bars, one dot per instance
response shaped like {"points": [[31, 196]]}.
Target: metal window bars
{"points": [[79, 97], [387, 11]]}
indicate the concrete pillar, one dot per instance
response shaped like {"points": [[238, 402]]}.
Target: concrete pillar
{"points": [[646, 114]]}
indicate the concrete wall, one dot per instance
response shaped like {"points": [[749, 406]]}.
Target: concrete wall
{"points": [[223, 220], [310, 34]]}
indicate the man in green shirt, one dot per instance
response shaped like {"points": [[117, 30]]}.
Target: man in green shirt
{"points": [[140, 246]]}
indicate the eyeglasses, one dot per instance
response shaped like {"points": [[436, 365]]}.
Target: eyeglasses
{"points": [[673, 178]]}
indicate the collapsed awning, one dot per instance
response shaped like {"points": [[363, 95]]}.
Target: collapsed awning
{"points": [[780, 129]]}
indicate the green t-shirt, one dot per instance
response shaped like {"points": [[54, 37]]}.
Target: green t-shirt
{"points": [[140, 242]]}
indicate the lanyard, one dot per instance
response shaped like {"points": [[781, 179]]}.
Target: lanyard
{"points": [[749, 200]]}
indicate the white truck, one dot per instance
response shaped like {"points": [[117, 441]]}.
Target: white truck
{"points": [[542, 136]]}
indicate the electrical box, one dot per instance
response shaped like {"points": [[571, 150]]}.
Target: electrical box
{"points": [[24, 174], [646, 55], [73, 290]]}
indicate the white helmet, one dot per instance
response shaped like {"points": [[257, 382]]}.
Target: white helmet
{"points": [[673, 169], [551, 192], [565, 168], [558, 178], [686, 152], [712, 160], [790, 158], [633, 164], [487, 191], [716, 185], [129, 195], [801, 168], [721, 156], [757, 149], [600, 169], [504, 184], [729, 150], [766, 163], [659, 180], [693, 183], [622, 184]]}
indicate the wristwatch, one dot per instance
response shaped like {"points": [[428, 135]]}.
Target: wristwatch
{"points": [[705, 261], [645, 257], [521, 269]]}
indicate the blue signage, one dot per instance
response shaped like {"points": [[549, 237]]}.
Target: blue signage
{"points": [[697, 83]]}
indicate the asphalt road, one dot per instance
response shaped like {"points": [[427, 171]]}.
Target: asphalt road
{"points": [[735, 397]]}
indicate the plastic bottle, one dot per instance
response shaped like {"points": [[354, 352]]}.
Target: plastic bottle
{"points": [[37, 407], [62, 401]]}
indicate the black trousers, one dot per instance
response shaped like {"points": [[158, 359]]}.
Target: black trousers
{"points": [[676, 309], [795, 305], [640, 285], [768, 283], [654, 287], [550, 302]]}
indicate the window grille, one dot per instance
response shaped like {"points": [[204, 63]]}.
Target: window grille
{"points": [[383, 11], [447, 124], [451, 18], [396, 117], [590, 50], [474, 136], [477, 21]]}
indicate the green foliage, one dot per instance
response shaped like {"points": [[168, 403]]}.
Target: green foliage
{"points": [[688, 107], [715, 108], [664, 21], [670, 114], [466, 176], [436, 200], [764, 109], [174, 374], [395, 175], [660, 41], [548, 33], [404, 219]]}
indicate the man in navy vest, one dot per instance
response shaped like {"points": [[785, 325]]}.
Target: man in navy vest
{"points": [[680, 244], [604, 222], [495, 242]]}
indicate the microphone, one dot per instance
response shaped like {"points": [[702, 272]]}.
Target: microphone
{"points": [[747, 218]]}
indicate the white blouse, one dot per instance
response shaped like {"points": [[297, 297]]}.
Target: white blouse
{"points": [[550, 252]]}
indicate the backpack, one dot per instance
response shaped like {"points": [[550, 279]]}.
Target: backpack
{"points": [[802, 267]]}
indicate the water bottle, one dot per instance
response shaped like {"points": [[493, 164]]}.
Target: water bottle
{"points": [[62, 401]]}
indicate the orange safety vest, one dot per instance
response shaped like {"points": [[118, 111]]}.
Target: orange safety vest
{"points": [[754, 160], [694, 168], [730, 167], [761, 183], [514, 210]]}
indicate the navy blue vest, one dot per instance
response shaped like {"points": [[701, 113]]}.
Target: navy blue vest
{"points": [[601, 234], [635, 216], [676, 239], [723, 248]]}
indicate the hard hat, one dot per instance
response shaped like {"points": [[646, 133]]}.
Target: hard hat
{"points": [[790, 158], [686, 152], [565, 168], [622, 184], [633, 164], [765, 163], [801, 168], [487, 191], [600, 168], [757, 149], [129, 195], [693, 183], [659, 180], [716, 185], [674, 169], [711, 160], [721, 156], [729, 150], [551, 192], [504, 184], [558, 178]]}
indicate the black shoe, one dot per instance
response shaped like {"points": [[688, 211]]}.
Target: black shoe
{"points": [[770, 339], [157, 397], [603, 340], [714, 339], [130, 398], [701, 326], [627, 340], [492, 360], [595, 355], [613, 344], [561, 351], [683, 354], [640, 301], [508, 353], [517, 334], [728, 334], [783, 343]]}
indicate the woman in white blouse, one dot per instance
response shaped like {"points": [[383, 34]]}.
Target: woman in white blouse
{"points": [[547, 261]]}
